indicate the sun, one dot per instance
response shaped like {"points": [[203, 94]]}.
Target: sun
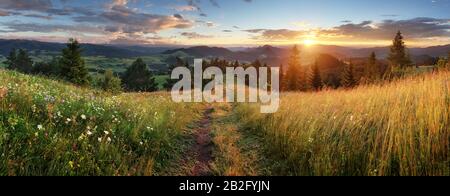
{"points": [[309, 42]]}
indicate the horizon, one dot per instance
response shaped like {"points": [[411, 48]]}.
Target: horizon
{"points": [[235, 23]]}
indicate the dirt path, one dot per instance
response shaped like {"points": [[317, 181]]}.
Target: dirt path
{"points": [[203, 146]]}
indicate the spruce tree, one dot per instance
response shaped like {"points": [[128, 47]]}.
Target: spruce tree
{"points": [[372, 71], [139, 78], [315, 79], [11, 60], [398, 56], [295, 75], [72, 64], [348, 77], [282, 75], [19, 61]]}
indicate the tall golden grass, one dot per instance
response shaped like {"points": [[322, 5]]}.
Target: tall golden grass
{"points": [[402, 128]]}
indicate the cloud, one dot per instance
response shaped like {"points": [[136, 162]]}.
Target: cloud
{"points": [[28, 5], [131, 21], [194, 35], [416, 28], [185, 8], [413, 28], [14, 27]]}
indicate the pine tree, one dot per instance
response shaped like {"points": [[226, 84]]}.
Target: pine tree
{"points": [[348, 77], [19, 61], [139, 78], [111, 83], [72, 64], [398, 56], [372, 71], [11, 60], [295, 76], [282, 78], [315, 79]]}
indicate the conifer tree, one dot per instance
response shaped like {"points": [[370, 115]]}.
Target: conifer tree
{"points": [[372, 71], [139, 78], [282, 78], [295, 77], [398, 56], [315, 79], [348, 77], [19, 61], [72, 64]]}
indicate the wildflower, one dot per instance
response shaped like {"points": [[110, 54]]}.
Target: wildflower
{"points": [[99, 139], [68, 120], [40, 127], [310, 140], [89, 133], [83, 117], [351, 118], [36, 134], [71, 164], [106, 132], [141, 143], [109, 139]]}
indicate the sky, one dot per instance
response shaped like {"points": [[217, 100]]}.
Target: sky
{"points": [[228, 22]]}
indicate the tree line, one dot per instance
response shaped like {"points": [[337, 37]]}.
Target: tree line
{"points": [[299, 78], [71, 67]]}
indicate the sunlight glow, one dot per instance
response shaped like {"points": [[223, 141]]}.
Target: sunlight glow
{"points": [[309, 42]]}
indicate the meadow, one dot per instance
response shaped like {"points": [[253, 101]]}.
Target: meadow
{"points": [[401, 128], [52, 128]]}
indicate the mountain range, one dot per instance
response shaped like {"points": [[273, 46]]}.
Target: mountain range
{"points": [[268, 54]]}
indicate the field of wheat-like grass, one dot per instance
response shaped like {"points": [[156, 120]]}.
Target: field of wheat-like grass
{"points": [[402, 128]]}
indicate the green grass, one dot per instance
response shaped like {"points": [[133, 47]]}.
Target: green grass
{"points": [[402, 128], [52, 128]]}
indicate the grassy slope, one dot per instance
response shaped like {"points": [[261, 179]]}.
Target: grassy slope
{"points": [[51, 128], [402, 128]]}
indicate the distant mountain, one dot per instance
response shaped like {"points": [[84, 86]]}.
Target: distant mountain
{"points": [[203, 51], [112, 51], [278, 55]]}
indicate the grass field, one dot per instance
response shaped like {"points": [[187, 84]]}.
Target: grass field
{"points": [[51, 128], [401, 128]]}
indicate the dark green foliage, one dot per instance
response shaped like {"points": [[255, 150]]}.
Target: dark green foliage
{"points": [[398, 56], [170, 82], [19, 61], [111, 83], [73, 68], [348, 77], [295, 77], [139, 78], [51, 68], [372, 71], [315, 79]]}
